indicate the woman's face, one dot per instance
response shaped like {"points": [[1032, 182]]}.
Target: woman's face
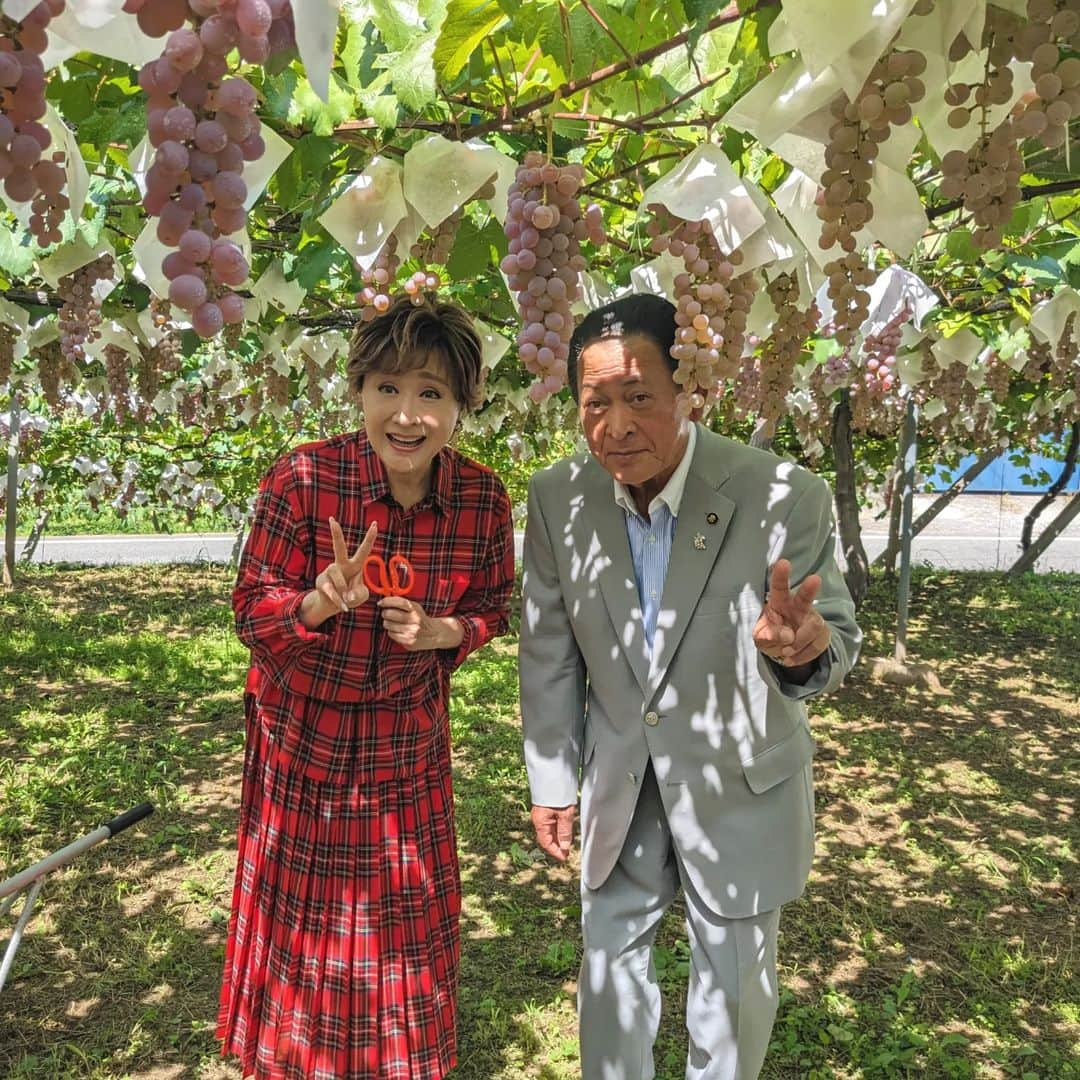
{"points": [[409, 417]]}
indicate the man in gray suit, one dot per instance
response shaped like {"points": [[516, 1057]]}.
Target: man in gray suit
{"points": [[665, 657]]}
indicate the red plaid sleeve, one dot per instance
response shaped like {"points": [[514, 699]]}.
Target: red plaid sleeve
{"points": [[274, 576], [484, 607]]}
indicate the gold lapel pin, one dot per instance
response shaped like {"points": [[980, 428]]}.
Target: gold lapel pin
{"points": [[712, 519], [699, 542]]}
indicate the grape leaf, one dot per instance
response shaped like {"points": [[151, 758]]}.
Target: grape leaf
{"points": [[16, 259], [410, 32], [698, 14], [467, 23], [475, 249], [292, 99], [312, 265]]}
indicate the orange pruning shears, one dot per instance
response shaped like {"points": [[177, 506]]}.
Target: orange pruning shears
{"points": [[395, 578]]}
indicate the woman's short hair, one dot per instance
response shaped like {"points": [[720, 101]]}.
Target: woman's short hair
{"points": [[642, 314], [406, 333]]}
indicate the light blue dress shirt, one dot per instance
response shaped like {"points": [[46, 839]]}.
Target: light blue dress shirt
{"points": [[650, 540]]}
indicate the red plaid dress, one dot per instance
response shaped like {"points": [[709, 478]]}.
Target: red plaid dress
{"points": [[342, 956]]}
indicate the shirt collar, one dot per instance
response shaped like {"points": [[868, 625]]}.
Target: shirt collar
{"points": [[375, 484], [672, 494]]}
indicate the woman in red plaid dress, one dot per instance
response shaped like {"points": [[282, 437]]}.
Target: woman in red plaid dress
{"points": [[342, 956]]}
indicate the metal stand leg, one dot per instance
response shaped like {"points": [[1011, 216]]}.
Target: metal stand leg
{"points": [[16, 936]]}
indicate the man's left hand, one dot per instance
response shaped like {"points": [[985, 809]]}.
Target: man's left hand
{"points": [[790, 629]]}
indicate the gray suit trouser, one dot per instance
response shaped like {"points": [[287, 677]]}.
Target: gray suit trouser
{"points": [[731, 1000]]}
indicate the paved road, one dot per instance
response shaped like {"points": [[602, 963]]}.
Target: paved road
{"points": [[976, 532]]}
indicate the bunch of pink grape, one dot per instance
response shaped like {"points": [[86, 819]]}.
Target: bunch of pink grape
{"points": [[836, 372], [203, 127], [545, 225], [879, 354], [29, 176], [80, 313], [712, 303], [378, 280], [431, 252]]}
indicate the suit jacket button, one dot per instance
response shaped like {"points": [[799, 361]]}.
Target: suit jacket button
{"points": [[652, 719]]}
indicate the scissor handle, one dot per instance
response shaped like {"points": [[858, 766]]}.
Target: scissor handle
{"points": [[402, 576], [373, 564], [395, 579]]}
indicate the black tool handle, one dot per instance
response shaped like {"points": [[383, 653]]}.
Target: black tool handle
{"points": [[129, 817]]}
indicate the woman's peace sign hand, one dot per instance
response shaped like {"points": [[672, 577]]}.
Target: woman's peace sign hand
{"points": [[340, 586]]}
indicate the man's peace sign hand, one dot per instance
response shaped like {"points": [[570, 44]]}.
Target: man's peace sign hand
{"points": [[790, 629], [340, 586]]}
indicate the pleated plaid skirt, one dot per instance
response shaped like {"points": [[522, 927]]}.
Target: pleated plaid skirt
{"points": [[342, 956]]}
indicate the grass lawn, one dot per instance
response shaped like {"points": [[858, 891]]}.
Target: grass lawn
{"points": [[937, 936]]}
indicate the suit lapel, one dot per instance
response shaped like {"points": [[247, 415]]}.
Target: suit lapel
{"points": [[615, 568], [694, 551]]}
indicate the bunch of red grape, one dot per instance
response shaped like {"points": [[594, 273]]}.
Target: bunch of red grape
{"points": [[545, 225], [953, 387], [848, 279], [161, 361], [435, 248], [836, 372], [1053, 29], [814, 419], [876, 400], [203, 127], [54, 371], [314, 373], [1037, 363], [80, 314], [843, 200], [987, 176], [773, 374], [859, 127], [29, 176], [8, 334], [712, 302], [117, 378], [997, 377]]}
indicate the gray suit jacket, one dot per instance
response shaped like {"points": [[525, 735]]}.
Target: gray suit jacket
{"points": [[728, 737]]}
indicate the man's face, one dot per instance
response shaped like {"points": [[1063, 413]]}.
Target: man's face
{"points": [[629, 412]]}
